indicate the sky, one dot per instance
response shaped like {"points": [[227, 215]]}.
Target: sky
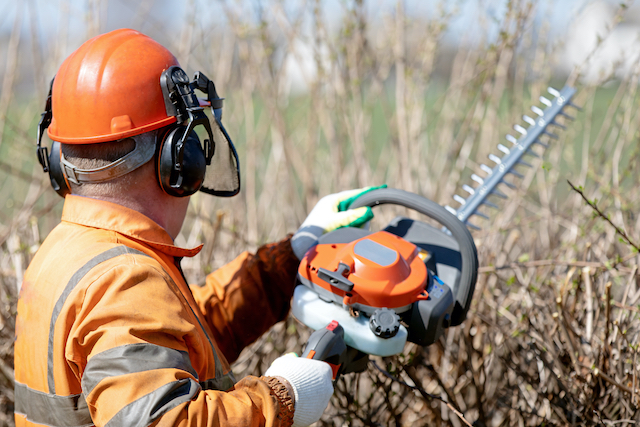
{"points": [[62, 25], [50, 15]]}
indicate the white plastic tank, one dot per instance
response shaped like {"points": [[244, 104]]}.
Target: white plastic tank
{"points": [[308, 308]]}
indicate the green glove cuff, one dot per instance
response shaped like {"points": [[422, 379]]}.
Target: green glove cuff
{"points": [[362, 220], [346, 203]]}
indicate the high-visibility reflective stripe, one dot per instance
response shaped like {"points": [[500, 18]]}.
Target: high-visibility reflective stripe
{"points": [[132, 358], [143, 411], [51, 410], [73, 282], [141, 357]]}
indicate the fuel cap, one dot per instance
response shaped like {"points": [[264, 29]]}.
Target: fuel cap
{"points": [[384, 323]]}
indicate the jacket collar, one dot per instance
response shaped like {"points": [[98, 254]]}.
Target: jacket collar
{"points": [[113, 217]]}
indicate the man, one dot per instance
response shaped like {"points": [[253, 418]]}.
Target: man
{"points": [[108, 331]]}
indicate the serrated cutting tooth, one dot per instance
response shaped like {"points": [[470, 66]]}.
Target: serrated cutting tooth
{"points": [[574, 106], [550, 135], [532, 153], [566, 116], [495, 159], [481, 215], [545, 101], [450, 209], [491, 205], [529, 120], [520, 129], [516, 173], [459, 199], [537, 141], [553, 92], [477, 179], [522, 162], [558, 124], [486, 169], [504, 149], [508, 184], [468, 189], [537, 110], [475, 227], [498, 193], [512, 139]]}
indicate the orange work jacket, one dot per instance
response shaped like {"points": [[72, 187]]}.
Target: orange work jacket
{"points": [[108, 332]]}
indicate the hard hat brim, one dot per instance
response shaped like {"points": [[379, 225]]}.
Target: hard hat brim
{"points": [[111, 136]]}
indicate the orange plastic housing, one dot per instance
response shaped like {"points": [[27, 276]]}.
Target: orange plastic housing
{"points": [[385, 269]]}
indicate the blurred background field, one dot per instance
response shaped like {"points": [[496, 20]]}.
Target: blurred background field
{"points": [[325, 96]]}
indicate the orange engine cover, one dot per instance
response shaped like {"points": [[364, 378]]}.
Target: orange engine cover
{"points": [[386, 271]]}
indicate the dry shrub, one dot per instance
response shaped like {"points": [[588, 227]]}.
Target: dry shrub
{"points": [[552, 335]]}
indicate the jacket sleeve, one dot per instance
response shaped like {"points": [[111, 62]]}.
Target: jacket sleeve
{"points": [[135, 347], [254, 414], [243, 299]]}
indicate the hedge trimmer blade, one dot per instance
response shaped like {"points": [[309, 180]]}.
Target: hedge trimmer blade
{"points": [[513, 156]]}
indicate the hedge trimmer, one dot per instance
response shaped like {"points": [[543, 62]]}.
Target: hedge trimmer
{"points": [[410, 281]]}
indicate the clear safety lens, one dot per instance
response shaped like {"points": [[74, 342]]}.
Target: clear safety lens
{"points": [[222, 177]]}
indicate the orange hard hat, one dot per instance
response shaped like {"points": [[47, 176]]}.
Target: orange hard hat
{"points": [[110, 89]]}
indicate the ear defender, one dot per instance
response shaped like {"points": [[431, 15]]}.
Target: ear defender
{"points": [[56, 175], [50, 162], [180, 166]]}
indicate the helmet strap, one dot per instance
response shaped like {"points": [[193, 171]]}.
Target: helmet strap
{"points": [[140, 155]]}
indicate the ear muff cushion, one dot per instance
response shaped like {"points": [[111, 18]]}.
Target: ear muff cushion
{"points": [[58, 180], [191, 176]]}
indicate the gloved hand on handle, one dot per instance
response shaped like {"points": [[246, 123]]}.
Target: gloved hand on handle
{"points": [[330, 213], [311, 383]]}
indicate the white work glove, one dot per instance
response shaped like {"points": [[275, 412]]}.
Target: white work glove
{"points": [[330, 213], [311, 383]]}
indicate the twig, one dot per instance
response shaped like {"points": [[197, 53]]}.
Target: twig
{"points": [[586, 277], [625, 307], [543, 263], [423, 392], [633, 384], [593, 206], [598, 373], [557, 316], [632, 276], [607, 311], [622, 333]]}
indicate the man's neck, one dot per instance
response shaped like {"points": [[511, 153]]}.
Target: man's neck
{"points": [[167, 211]]}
